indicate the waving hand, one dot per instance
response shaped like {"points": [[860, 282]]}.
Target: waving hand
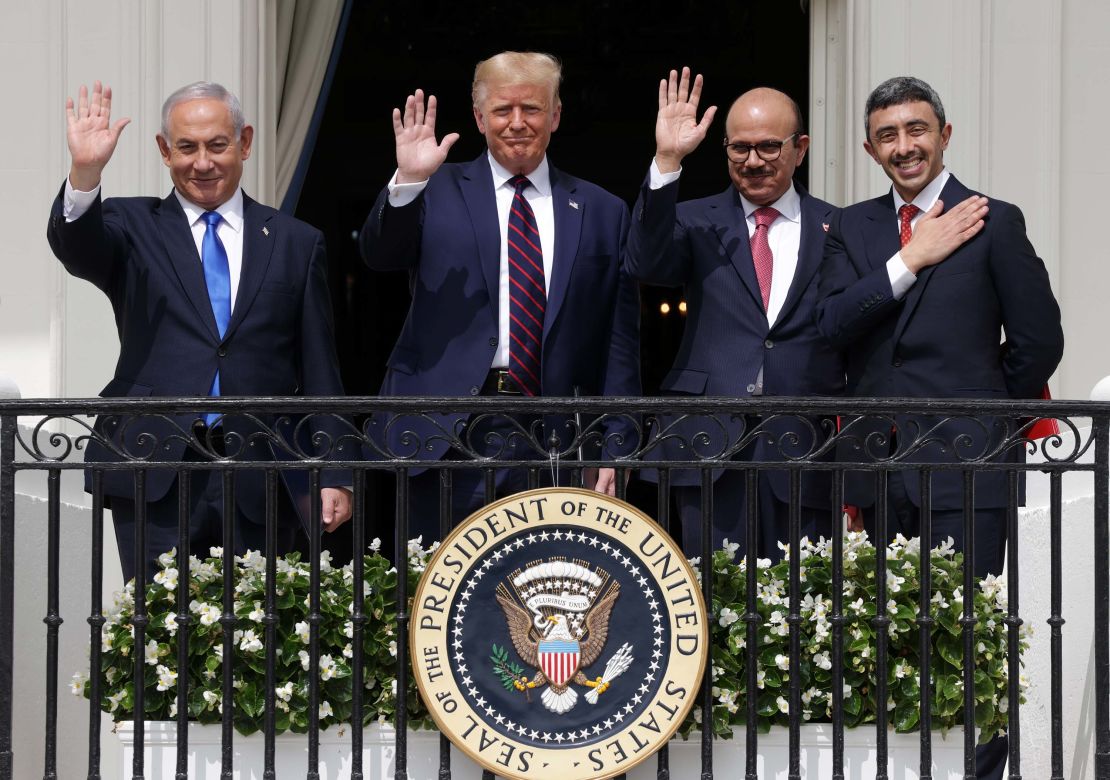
{"points": [[677, 129], [91, 135], [418, 153]]}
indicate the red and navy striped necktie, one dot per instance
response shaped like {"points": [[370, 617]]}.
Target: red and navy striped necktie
{"points": [[527, 293]]}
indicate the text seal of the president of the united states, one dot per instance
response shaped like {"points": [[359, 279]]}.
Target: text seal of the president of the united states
{"points": [[558, 633]]}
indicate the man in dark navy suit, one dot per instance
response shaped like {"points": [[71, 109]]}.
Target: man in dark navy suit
{"points": [[516, 283], [919, 287], [213, 294], [747, 259]]}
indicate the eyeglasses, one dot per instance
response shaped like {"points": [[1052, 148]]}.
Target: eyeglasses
{"points": [[768, 151], [889, 135]]}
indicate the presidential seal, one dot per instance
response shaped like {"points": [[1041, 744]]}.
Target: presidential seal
{"points": [[558, 633]]}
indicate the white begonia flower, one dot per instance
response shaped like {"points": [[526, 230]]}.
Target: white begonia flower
{"points": [[784, 705], [114, 700], [284, 692], [727, 617], [325, 561], [258, 613], [375, 544], [348, 651], [893, 581], [822, 660], [349, 627], [325, 710], [209, 614], [393, 687], [106, 641], [305, 660], [171, 623], [77, 683], [782, 661], [760, 677], [152, 652], [302, 631], [328, 667], [173, 708], [393, 647], [213, 699], [167, 578], [167, 678], [215, 552], [168, 558], [250, 643], [730, 547]]}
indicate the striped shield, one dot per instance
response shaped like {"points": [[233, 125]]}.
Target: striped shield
{"points": [[559, 660]]}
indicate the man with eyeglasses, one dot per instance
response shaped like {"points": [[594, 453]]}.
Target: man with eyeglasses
{"points": [[748, 260], [920, 287]]}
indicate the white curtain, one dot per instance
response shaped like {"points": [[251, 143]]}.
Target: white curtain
{"points": [[305, 36]]}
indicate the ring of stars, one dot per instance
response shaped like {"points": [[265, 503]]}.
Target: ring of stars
{"points": [[462, 671]]}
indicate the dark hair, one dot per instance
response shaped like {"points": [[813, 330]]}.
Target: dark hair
{"points": [[899, 90]]}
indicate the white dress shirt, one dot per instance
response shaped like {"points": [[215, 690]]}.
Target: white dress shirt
{"points": [[230, 230], [901, 277], [538, 195], [784, 236]]}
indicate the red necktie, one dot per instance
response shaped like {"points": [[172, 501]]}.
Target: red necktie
{"points": [[527, 294], [761, 251], [905, 217]]}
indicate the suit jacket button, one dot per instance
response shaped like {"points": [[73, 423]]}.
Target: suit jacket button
{"points": [[474, 390], [493, 342], [751, 388], [222, 351], [897, 362], [768, 343]]}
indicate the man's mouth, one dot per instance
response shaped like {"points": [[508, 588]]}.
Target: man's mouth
{"points": [[910, 164]]}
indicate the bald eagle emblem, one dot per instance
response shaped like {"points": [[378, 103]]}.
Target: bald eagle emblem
{"points": [[557, 612]]}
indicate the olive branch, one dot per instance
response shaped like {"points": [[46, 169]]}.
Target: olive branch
{"points": [[505, 669]]}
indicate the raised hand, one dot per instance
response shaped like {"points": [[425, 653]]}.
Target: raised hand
{"points": [[677, 129], [91, 135], [418, 153], [936, 235]]}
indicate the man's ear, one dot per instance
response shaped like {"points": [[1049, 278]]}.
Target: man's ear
{"points": [[478, 120], [871, 151], [163, 149], [246, 136]]}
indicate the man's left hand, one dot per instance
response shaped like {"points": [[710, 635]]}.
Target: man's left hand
{"points": [[335, 507], [601, 480]]}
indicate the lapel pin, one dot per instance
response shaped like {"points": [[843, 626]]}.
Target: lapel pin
{"points": [[266, 230], [572, 203], [825, 226]]}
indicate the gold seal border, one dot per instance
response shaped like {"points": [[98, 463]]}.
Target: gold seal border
{"points": [[559, 760]]}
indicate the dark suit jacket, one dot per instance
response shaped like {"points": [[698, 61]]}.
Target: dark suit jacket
{"points": [[704, 246], [449, 241], [141, 254], [941, 340]]}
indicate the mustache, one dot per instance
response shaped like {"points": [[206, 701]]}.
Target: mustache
{"points": [[747, 172]]}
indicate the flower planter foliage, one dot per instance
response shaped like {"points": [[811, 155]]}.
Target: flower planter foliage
{"points": [[729, 638], [336, 630]]}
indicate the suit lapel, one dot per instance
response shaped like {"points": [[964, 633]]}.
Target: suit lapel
{"points": [[810, 250], [568, 229], [727, 215], [476, 184], [953, 193], [258, 247], [177, 240]]}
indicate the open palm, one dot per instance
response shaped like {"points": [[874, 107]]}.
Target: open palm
{"points": [[90, 133], [677, 129], [418, 153]]}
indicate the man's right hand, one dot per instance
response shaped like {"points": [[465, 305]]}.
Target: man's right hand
{"points": [[936, 235], [91, 135], [677, 129], [418, 154]]}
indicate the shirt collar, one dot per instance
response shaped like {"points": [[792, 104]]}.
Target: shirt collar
{"points": [[231, 210], [540, 178], [928, 195], [789, 205]]}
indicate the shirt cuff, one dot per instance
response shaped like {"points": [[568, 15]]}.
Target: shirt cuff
{"points": [[404, 194], [657, 180], [901, 277], [76, 202]]}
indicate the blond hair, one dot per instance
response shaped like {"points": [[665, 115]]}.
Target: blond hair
{"points": [[517, 67]]}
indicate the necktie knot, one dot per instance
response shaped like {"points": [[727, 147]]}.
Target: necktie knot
{"points": [[519, 182], [765, 216], [211, 218], [905, 217]]}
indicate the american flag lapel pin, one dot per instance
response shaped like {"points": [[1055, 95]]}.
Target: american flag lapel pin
{"points": [[266, 230], [825, 226], [572, 203]]}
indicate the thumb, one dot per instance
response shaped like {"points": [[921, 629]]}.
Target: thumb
{"points": [[327, 510], [448, 141]]}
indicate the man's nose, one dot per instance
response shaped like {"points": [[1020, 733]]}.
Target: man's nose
{"points": [[202, 162], [905, 144], [754, 160], [516, 118]]}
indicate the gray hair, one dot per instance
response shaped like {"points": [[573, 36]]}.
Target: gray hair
{"points": [[203, 90], [899, 90]]}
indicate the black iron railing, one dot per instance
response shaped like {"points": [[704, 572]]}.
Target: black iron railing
{"points": [[368, 435]]}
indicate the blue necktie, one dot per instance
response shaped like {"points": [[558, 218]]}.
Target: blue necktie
{"points": [[527, 292], [217, 276]]}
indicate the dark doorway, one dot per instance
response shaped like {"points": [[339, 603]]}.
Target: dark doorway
{"points": [[613, 56]]}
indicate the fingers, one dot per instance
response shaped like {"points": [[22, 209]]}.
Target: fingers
{"points": [[663, 92], [71, 113], [695, 93], [419, 100], [430, 114], [82, 102], [684, 85], [448, 141], [707, 119], [672, 87]]}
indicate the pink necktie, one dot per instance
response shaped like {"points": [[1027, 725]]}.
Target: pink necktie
{"points": [[761, 251], [905, 217]]}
